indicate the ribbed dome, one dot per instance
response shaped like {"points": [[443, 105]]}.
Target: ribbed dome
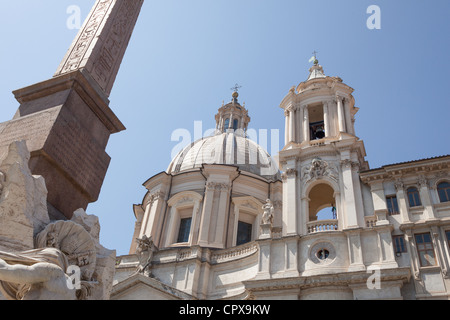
{"points": [[229, 149]]}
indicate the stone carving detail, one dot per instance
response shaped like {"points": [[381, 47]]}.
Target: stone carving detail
{"points": [[112, 22], [217, 186], [145, 251], [422, 182], [85, 38], [23, 201], [289, 173], [318, 169], [349, 164], [38, 258]]}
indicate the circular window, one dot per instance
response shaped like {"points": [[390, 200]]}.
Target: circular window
{"points": [[323, 254]]}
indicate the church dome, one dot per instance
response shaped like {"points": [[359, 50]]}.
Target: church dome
{"points": [[227, 148]]}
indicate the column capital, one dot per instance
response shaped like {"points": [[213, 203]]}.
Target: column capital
{"points": [[399, 185]]}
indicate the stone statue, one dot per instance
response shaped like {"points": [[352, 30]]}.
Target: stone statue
{"points": [[36, 275], [43, 273], [144, 250], [267, 217], [35, 254]]}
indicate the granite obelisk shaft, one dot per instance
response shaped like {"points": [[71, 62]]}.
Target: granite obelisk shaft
{"points": [[66, 120]]}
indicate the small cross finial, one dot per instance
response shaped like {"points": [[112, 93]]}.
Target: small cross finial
{"points": [[236, 88], [314, 58]]}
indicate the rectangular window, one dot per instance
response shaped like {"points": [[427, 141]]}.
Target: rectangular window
{"points": [[425, 250], [399, 244], [244, 233], [392, 205], [413, 197], [185, 230]]}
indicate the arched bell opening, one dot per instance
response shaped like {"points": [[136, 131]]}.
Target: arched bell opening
{"points": [[322, 213], [322, 204]]}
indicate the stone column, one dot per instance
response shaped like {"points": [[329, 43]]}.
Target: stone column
{"points": [[401, 200], [414, 259], [425, 198], [379, 202], [347, 116], [264, 259], [349, 195], [290, 199], [326, 119], [341, 114], [304, 215], [292, 125], [286, 127], [222, 215], [355, 250], [298, 123], [206, 215], [152, 215], [306, 133], [386, 247]]}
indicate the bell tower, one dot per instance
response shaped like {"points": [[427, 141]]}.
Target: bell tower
{"points": [[322, 156], [319, 110]]}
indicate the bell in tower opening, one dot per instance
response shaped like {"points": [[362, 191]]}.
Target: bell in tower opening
{"points": [[317, 130]]}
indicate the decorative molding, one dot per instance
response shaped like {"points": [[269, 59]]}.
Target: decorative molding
{"points": [[289, 173], [155, 197], [422, 182], [218, 186], [349, 164]]}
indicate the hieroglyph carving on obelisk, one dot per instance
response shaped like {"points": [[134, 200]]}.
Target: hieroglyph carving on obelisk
{"points": [[101, 43]]}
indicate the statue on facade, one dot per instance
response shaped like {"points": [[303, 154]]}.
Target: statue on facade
{"points": [[267, 217], [267, 220], [145, 250]]}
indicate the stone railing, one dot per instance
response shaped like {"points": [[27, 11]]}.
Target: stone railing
{"points": [[234, 253], [322, 226]]}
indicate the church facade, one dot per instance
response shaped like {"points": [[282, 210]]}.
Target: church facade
{"points": [[227, 221]]}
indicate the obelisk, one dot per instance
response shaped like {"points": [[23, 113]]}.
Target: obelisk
{"points": [[66, 120]]}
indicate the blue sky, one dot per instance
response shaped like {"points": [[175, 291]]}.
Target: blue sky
{"points": [[185, 56]]}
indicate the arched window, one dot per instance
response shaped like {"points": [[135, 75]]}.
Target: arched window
{"points": [[443, 189], [413, 197], [235, 124], [227, 124]]}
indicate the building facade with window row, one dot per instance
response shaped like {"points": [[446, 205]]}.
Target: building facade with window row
{"points": [[227, 221]]}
